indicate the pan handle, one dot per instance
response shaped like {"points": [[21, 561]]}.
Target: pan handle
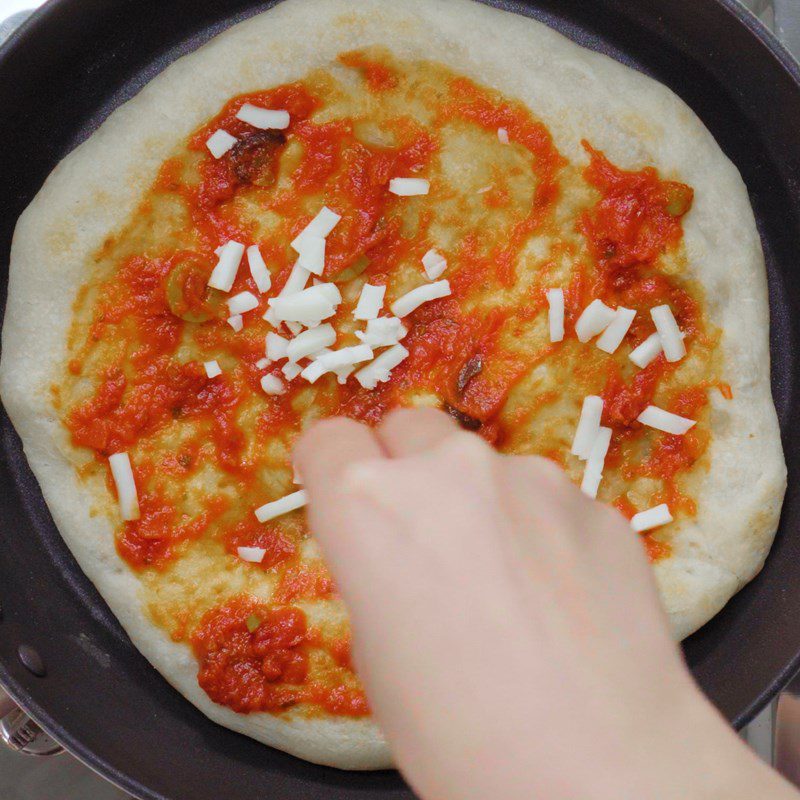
{"points": [[787, 25], [21, 734]]}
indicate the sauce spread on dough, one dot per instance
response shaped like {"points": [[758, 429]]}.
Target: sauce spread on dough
{"points": [[256, 658], [207, 451]]}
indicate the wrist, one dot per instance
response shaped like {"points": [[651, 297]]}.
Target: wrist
{"points": [[706, 759]]}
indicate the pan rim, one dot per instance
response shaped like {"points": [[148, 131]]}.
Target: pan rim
{"points": [[16, 42]]}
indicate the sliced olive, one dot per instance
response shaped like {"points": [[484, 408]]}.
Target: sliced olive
{"points": [[255, 157], [464, 420], [470, 369], [188, 295], [353, 271], [679, 199]]}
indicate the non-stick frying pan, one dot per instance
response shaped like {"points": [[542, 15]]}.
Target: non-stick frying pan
{"points": [[60, 77]]}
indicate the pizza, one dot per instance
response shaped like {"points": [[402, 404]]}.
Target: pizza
{"points": [[338, 210]]}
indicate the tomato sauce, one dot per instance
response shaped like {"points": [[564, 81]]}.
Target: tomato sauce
{"points": [[379, 77], [293, 97], [256, 658], [655, 548], [251, 533], [259, 658], [304, 581], [624, 402], [636, 220], [672, 455], [153, 539], [476, 105]]}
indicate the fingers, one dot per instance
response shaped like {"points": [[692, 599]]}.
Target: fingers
{"points": [[563, 540], [408, 431], [339, 459], [542, 498], [329, 447], [323, 455], [542, 502]]}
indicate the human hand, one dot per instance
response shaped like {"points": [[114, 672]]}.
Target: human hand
{"points": [[506, 627]]}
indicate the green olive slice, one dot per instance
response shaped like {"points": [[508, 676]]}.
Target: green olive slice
{"points": [[188, 294], [353, 271]]}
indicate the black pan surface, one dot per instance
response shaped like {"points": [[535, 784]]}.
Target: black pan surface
{"points": [[60, 77]]}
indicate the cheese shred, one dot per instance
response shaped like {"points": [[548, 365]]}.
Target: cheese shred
{"points": [[588, 426], [127, 497], [651, 518], [277, 508]]}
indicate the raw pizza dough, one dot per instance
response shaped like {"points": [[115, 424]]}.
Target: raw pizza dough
{"points": [[578, 94]]}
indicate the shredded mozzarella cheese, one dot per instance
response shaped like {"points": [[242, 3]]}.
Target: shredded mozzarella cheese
{"points": [[409, 187], [593, 471], [310, 341], [647, 351], [308, 310], [269, 316], [277, 508], [272, 384], [294, 327], [254, 555], [588, 426], [312, 254], [236, 322], [127, 497], [370, 302], [669, 333], [276, 346], [291, 370], [224, 273], [555, 300], [308, 307], [242, 303], [383, 332], [325, 221], [435, 264], [412, 300], [651, 518], [297, 280], [379, 370], [314, 371], [345, 357], [212, 369], [343, 374], [258, 269], [330, 291], [220, 142], [263, 118], [596, 317], [613, 335], [655, 417]]}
